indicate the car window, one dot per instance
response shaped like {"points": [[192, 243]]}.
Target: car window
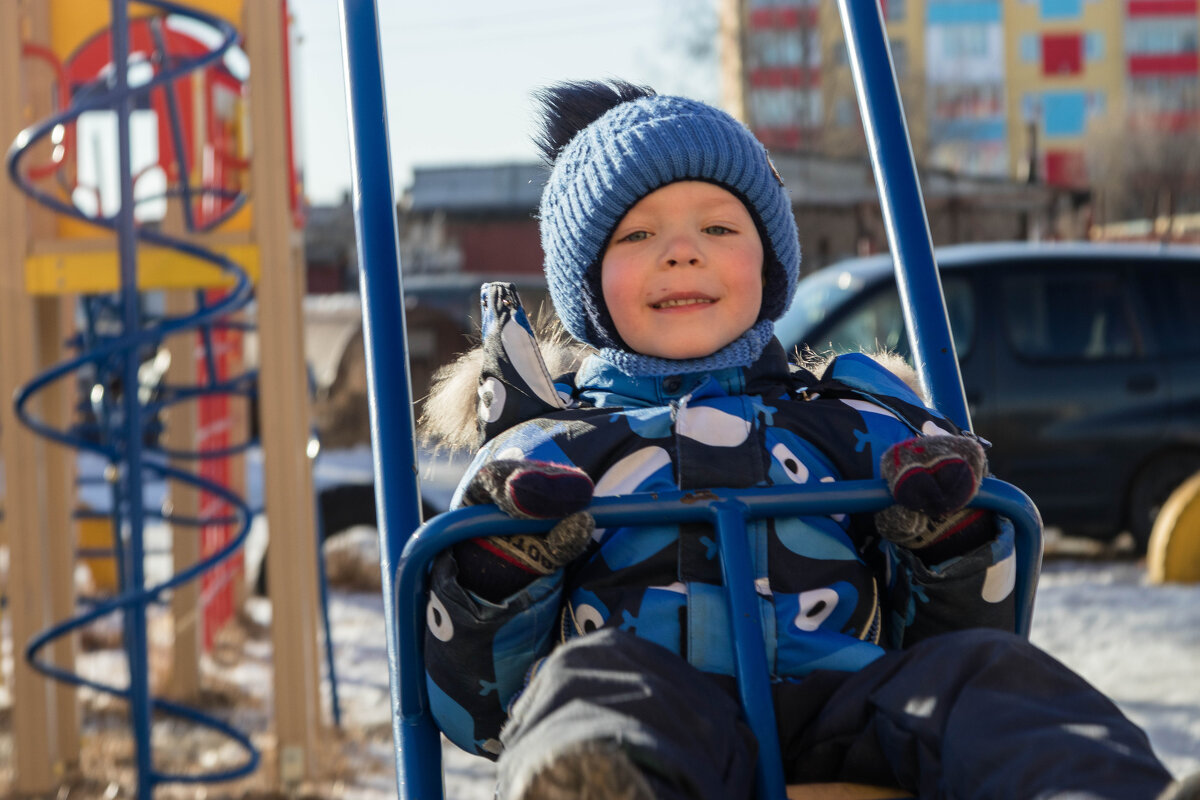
{"points": [[817, 297], [879, 322], [1173, 293], [1069, 316]]}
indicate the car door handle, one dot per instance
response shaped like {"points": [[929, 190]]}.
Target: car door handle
{"points": [[1141, 384]]}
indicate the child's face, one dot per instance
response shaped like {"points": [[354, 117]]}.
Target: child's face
{"points": [[682, 274]]}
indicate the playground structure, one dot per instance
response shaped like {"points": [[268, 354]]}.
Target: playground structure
{"points": [[406, 551], [150, 167]]}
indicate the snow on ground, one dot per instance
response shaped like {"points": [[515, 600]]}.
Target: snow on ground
{"points": [[1138, 643]]}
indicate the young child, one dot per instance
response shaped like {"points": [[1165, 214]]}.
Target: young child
{"points": [[598, 663]]}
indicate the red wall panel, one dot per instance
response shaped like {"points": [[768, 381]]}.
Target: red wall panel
{"points": [[1065, 168], [1161, 8], [1172, 64], [1062, 54]]}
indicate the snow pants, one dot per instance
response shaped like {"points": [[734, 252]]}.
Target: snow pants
{"points": [[968, 715]]}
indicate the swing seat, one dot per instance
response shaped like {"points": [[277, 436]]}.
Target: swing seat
{"points": [[417, 737]]}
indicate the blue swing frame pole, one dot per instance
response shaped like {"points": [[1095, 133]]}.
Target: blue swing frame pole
{"points": [[386, 348], [405, 555], [903, 208]]}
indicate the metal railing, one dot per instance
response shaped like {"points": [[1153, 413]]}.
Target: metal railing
{"points": [[406, 551]]}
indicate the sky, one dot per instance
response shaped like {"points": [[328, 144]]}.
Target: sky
{"points": [[459, 73]]}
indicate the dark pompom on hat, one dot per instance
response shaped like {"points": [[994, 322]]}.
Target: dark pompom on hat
{"points": [[570, 107], [611, 144]]}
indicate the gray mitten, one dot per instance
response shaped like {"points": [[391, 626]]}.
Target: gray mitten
{"points": [[496, 566], [932, 478]]}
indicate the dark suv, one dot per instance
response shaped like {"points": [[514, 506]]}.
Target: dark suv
{"points": [[1081, 363]]}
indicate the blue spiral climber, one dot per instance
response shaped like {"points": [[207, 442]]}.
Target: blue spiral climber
{"points": [[115, 340]]}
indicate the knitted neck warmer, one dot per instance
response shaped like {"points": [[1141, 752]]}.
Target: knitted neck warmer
{"points": [[740, 352], [633, 149]]}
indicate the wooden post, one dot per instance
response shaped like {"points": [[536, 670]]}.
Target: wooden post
{"points": [[180, 434], [53, 315], [56, 321], [284, 405], [45, 729], [239, 432]]}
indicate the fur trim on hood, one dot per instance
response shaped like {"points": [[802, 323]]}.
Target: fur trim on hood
{"points": [[893, 362], [449, 419]]}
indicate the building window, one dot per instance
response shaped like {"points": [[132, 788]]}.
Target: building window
{"points": [[1062, 9], [1161, 36], [1030, 48], [1064, 113], [961, 12], [840, 57], [786, 108], [810, 44], [1164, 94], [964, 40], [895, 10], [1093, 46], [968, 100], [845, 112], [785, 48], [899, 49], [784, 3], [1031, 107]]}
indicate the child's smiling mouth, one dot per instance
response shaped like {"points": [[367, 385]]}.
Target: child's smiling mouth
{"points": [[681, 302]]}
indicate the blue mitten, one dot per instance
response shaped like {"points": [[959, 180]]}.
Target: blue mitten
{"points": [[932, 479], [496, 566]]}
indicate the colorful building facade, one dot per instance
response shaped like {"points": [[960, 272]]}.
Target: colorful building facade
{"points": [[991, 87]]}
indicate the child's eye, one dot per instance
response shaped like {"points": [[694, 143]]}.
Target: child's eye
{"points": [[717, 230], [636, 236]]}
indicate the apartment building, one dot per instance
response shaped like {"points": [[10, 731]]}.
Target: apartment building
{"points": [[991, 87]]}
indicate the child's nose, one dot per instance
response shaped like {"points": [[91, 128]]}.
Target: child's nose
{"points": [[681, 249]]}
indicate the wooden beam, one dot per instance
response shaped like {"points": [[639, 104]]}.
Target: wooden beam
{"points": [[284, 405], [40, 714], [180, 434], [53, 315]]}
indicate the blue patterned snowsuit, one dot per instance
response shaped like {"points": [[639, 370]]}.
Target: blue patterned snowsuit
{"points": [[832, 595]]}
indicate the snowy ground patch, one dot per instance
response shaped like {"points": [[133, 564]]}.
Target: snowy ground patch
{"points": [[1138, 643]]}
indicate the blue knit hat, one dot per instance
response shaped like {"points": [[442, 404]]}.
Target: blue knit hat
{"points": [[634, 148]]}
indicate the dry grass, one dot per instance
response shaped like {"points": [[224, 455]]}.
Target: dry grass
{"points": [[106, 767]]}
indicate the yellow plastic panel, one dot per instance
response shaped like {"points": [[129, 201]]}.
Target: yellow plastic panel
{"points": [[73, 22], [158, 268], [96, 533], [1174, 551]]}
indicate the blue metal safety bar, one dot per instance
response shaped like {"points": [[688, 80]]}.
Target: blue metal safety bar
{"points": [[405, 555], [419, 747]]}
